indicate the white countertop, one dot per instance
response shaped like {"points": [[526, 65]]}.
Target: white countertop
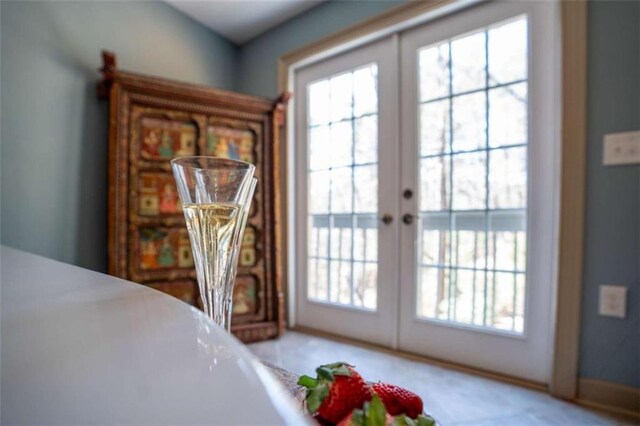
{"points": [[79, 347]]}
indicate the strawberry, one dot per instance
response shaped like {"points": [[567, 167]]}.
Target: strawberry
{"points": [[374, 414], [336, 392], [398, 400]]}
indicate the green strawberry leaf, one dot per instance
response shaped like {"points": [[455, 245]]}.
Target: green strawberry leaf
{"points": [[325, 373], [335, 364], [341, 371], [315, 397], [403, 420], [307, 382], [376, 414], [339, 368], [423, 420]]}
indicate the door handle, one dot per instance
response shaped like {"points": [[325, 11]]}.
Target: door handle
{"points": [[387, 218], [408, 218]]}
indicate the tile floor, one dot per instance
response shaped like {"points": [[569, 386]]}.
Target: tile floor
{"points": [[452, 397]]}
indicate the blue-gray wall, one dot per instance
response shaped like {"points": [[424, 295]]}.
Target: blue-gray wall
{"points": [[610, 347], [258, 58], [54, 130]]}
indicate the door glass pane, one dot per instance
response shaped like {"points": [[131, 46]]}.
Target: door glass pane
{"points": [[468, 62], [365, 140], [435, 127], [473, 178], [365, 94], [469, 189], [342, 139], [508, 52], [435, 187], [469, 122], [434, 72], [508, 115]]}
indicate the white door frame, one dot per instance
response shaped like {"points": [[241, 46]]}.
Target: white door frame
{"points": [[291, 153]]}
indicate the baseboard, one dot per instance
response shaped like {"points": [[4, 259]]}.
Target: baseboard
{"points": [[609, 396], [428, 360]]}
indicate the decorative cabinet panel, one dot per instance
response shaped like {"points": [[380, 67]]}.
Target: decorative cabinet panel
{"points": [[153, 120]]}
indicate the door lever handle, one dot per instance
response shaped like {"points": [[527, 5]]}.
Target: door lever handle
{"points": [[408, 218]]}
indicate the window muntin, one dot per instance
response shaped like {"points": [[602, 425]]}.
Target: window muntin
{"points": [[342, 131], [473, 178]]}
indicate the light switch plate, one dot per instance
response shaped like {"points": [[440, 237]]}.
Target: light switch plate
{"points": [[621, 148], [613, 301]]}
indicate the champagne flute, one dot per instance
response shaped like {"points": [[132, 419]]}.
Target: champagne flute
{"points": [[216, 198]]}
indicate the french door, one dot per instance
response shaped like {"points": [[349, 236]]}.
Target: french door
{"points": [[425, 193], [346, 122]]}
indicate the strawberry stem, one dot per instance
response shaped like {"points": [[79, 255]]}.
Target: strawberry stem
{"points": [[307, 382]]}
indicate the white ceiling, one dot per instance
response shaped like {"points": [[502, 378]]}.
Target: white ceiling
{"points": [[241, 20]]}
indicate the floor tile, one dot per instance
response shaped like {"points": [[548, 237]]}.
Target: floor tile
{"points": [[452, 397]]}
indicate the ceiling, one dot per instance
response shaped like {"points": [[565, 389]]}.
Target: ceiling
{"points": [[242, 20]]}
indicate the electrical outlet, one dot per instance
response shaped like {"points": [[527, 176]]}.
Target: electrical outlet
{"points": [[621, 148], [613, 301]]}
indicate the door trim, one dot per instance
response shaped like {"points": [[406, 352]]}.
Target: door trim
{"points": [[573, 15], [564, 376]]}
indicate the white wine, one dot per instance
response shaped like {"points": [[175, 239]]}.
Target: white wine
{"points": [[212, 231], [216, 196]]}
